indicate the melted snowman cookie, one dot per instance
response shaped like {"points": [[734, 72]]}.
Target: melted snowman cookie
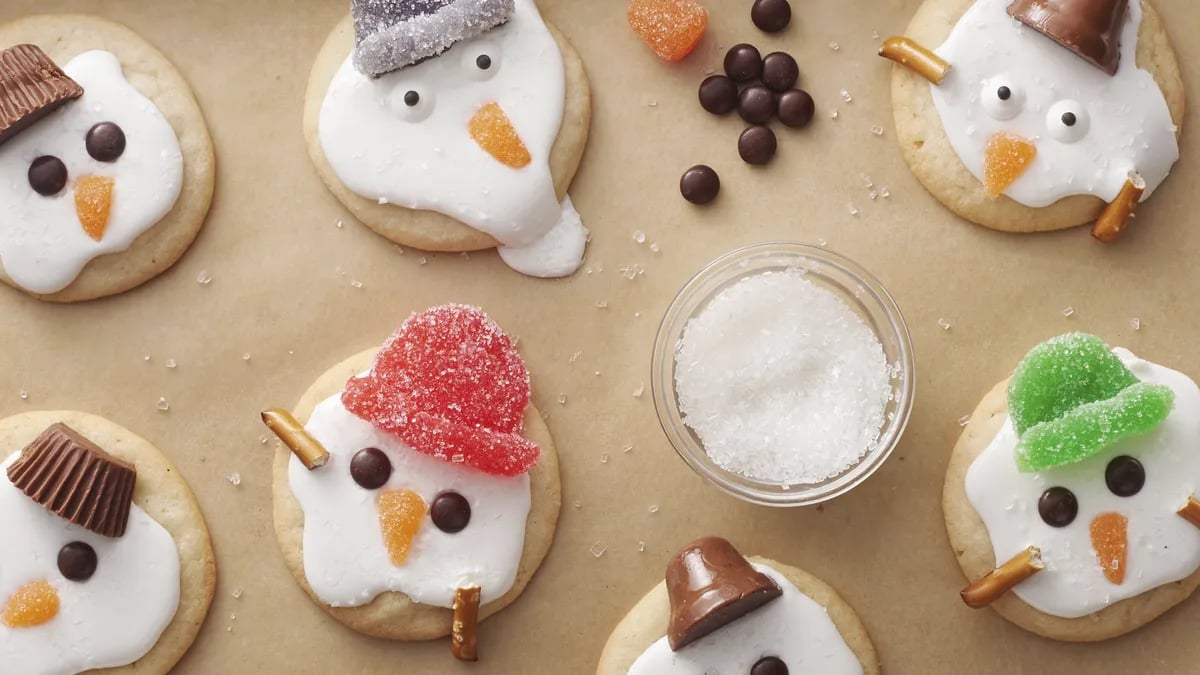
{"points": [[106, 188], [105, 573], [470, 148], [1087, 504], [390, 525], [724, 614], [1019, 123]]}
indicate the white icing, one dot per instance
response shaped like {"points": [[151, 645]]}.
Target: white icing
{"points": [[1163, 547], [792, 627], [423, 157], [345, 560], [43, 247], [1129, 126], [112, 619]]}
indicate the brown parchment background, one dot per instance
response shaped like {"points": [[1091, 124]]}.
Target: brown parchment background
{"points": [[282, 292]]}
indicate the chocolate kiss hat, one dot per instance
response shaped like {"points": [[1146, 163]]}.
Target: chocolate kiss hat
{"points": [[710, 585], [392, 34], [1089, 28], [75, 479]]}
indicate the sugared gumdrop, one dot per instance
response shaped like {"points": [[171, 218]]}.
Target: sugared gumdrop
{"points": [[93, 203], [33, 604], [1007, 157], [401, 513], [450, 384], [494, 132], [671, 28], [1071, 397]]}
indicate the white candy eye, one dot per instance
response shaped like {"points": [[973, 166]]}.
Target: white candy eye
{"points": [[481, 61], [1002, 98], [1067, 121], [410, 104]]}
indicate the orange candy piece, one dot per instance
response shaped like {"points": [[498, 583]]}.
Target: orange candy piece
{"points": [[401, 513], [1007, 157], [672, 28], [93, 201], [1110, 540], [493, 131], [33, 604]]}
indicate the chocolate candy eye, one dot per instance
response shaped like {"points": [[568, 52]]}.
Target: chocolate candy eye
{"points": [[411, 98], [77, 561], [483, 62], [450, 512], [1125, 476], [370, 468], [769, 665], [1003, 93], [105, 142], [1058, 507], [47, 175]]}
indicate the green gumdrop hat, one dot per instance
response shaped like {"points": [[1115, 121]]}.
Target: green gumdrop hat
{"points": [[1071, 397]]}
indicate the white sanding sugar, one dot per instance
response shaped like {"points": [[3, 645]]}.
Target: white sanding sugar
{"points": [[781, 380]]}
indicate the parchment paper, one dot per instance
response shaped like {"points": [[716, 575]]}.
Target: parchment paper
{"points": [[282, 292]]}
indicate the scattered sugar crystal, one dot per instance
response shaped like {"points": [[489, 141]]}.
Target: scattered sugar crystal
{"points": [[872, 194], [424, 260], [574, 357], [944, 324], [597, 373], [1135, 323], [235, 478], [1068, 311], [866, 180], [883, 192], [637, 315], [604, 458], [846, 96], [264, 439], [578, 505], [639, 236], [562, 399], [170, 363], [602, 304], [632, 272], [641, 389], [356, 284], [162, 404], [627, 449], [232, 617], [597, 549], [833, 114], [821, 242], [877, 130], [382, 201], [641, 546], [964, 420], [146, 358], [653, 508], [834, 46], [654, 248], [874, 35], [204, 278], [781, 380], [245, 356], [237, 592], [23, 394], [652, 103], [339, 223], [852, 209]]}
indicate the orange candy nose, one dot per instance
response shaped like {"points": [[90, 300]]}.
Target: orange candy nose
{"points": [[93, 201], [401, 513], [1006, 158], [1111, 543], [33, 604], [493, 131], [671, 28]]}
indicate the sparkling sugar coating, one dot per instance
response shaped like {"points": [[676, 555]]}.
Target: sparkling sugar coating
{"points": [[451, 385], [392, 34], [781, 380], [1071, 397], [672, 28]]}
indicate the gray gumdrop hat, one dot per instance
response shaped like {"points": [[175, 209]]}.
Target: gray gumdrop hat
{"points": [[392, 34]]}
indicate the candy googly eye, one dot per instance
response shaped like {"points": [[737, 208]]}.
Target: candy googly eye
{"points": [[1067, 121], [1124, 476], [481, 62], [1002, 98], [411, 104], [1058, 507], [370, 468], [77, 561]]}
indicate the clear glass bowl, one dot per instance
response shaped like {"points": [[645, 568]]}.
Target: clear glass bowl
{"points": [[846, 279]]}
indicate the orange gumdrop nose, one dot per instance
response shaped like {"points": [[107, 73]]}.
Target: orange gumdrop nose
{"points": [[93, 202], [401, 513], [672, 28], [33, 604], [1006, 158], [1110, 540], [494, 132]]}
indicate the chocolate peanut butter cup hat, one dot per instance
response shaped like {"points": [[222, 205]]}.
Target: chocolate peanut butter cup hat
{"points": [[392, 34], [75, 479], [31, 85], [1089, 28]]}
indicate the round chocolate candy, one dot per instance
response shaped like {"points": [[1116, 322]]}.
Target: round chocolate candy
{"points": [[756, 104], [718, 94], [77, 561], [370, 468], [743, 63], [450, 512], [795, 108], [769, 665], [757, 145], [700, 184], [1125, 476], [47, 175], [1058, 507], [780, 71], [411, 98], [771, 16], [105, 142]]}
